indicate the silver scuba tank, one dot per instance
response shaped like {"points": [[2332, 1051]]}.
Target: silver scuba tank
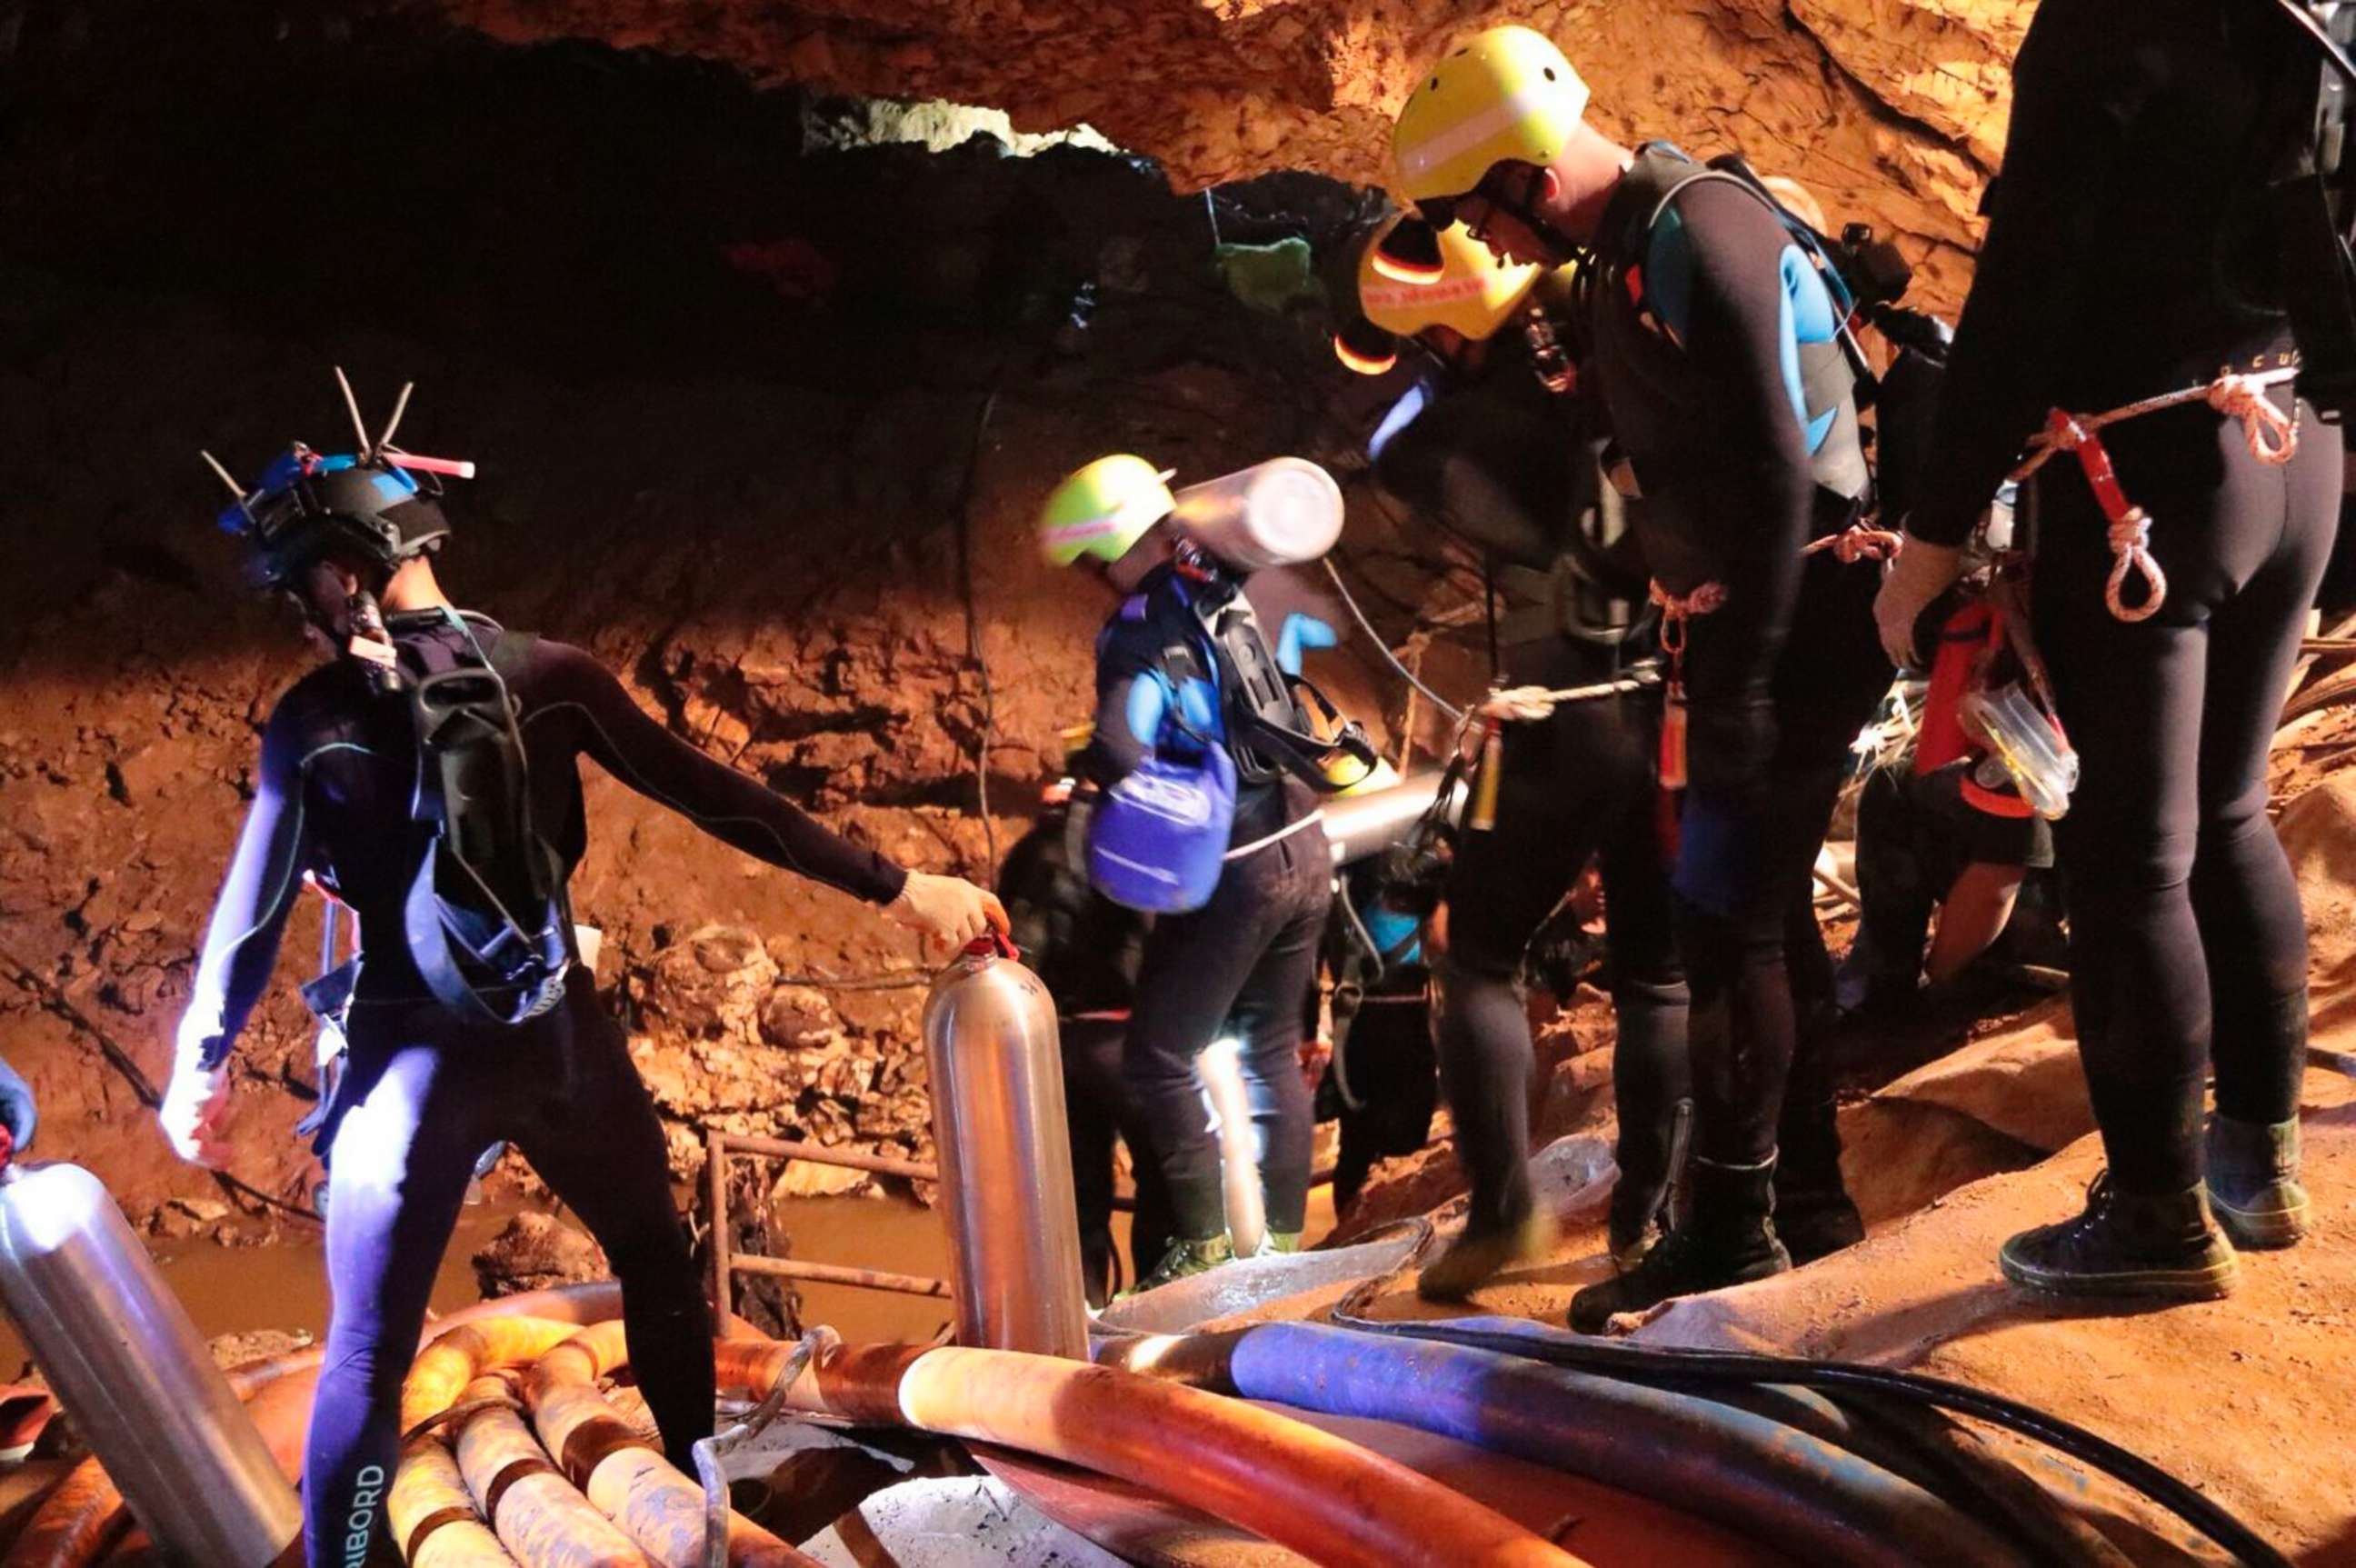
{"points": [[1005, 1153], [135, 1375]]}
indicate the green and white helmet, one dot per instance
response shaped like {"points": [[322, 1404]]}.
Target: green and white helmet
{"points": [[1103, 509]]}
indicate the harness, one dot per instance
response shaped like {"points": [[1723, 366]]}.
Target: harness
{"points": [[1643, 252], [1210, 634]]}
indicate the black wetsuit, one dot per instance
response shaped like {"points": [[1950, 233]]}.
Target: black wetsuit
{"points": [[1242, 962], [1499, 463], [2127, 200], [424, 1093], [1085, 950], [1780, 679]]}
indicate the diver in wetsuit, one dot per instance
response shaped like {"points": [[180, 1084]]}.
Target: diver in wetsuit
{"points": [[2129, 254], [1086, 950], [426, 1089], [1486, 449], [1716, 362]]}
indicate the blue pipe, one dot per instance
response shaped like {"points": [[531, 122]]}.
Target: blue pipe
{"points": [[1810, 1499]]}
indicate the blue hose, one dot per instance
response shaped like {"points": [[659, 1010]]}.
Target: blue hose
{"points": [[1810, 1499]]}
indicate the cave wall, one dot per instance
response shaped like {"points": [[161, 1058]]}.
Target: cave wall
{"points": [[728, 400], [1892, 111]]}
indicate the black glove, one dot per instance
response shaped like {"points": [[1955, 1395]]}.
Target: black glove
{"points": [[16, 1113]]}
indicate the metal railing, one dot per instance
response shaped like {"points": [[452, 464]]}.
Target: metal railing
{"points": [[727, 1263]]}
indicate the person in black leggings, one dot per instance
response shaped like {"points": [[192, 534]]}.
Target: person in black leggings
{"points": [[1715, 361], [2129, 255], [1496, 461], [424, 1092]]}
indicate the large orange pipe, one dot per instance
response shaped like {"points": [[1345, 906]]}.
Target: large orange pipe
{"points": [[1333, 1501], [623, 1473]]}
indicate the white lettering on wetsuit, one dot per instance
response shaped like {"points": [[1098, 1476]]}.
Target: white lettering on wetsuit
{"points": [[362, 1522]]}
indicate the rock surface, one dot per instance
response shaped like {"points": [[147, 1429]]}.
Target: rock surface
{"points": [[1891, 110]]}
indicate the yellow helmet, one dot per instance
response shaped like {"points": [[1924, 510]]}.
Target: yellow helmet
{"points": [[1103, 508], [1356, 778], [1475, 294], [1507, 96]]}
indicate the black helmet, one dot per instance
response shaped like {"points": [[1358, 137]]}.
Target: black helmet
{"points": [[379, 506]]}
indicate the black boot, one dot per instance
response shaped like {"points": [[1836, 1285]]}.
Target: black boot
{"points": [[2254, 1186], [2127, 1244], [1814, 1216], [1728, 1241], [1651, 1155]]}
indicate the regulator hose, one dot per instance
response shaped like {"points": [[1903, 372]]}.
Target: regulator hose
{"points": [[1663, 1364]]}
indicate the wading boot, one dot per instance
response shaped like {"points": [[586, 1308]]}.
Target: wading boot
{"points": [[1652, 1157], [1728, 1241], [1814, 1215], [2126, 1244], [1186, 1259], [1479, 1255], [2254, 1186], [1275, 1243]]}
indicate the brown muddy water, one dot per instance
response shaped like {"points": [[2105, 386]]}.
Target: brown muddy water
{"points": [[282, 1285]]}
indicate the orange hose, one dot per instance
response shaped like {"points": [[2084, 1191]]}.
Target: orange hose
{"points": [[435, 1519], [625, 1474], [1333, 1501]]}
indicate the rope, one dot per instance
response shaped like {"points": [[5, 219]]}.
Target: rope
{"points": [[1857, 542], [2272, 436], [1530, 705], [1678, 609]]}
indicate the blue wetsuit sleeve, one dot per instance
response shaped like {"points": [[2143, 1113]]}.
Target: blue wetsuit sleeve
{"points": [[730, 806], [2074, 92], [250, 915], [17, 1112]]}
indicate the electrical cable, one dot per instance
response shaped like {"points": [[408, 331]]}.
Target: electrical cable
{"points": [[1455, 713], [1663, 1364], [973, 650]]}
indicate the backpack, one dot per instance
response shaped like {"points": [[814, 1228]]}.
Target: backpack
{"points": [[1264, 707], [486, 916]]}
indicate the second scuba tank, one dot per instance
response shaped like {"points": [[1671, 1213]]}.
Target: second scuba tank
{"points": [[1281, 513], [1005, 1153], [135, 1375]]}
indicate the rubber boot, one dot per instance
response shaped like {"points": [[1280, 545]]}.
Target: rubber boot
{"points": [[1730, 1240], [1652, 1158], [1478, 1256], [2254, 1186], [1813, 1214], [2127, 1244], [1276, 1243], [1186, 1259]]}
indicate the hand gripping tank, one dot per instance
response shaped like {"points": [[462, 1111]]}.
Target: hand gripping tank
{"points": [[1005, 1155], [135, 1375]]}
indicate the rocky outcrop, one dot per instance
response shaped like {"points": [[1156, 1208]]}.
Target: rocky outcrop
{"points": [[1892, 111]]}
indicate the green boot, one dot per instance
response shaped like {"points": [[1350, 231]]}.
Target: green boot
{"points": [[1186, 1259], [2126, 1244], [1478, 1256], [1728, 1241], [2254, 1186], [1274, 1243]]}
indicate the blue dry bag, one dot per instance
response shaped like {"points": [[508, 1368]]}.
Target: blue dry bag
{"points": [[1157, 840]]}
